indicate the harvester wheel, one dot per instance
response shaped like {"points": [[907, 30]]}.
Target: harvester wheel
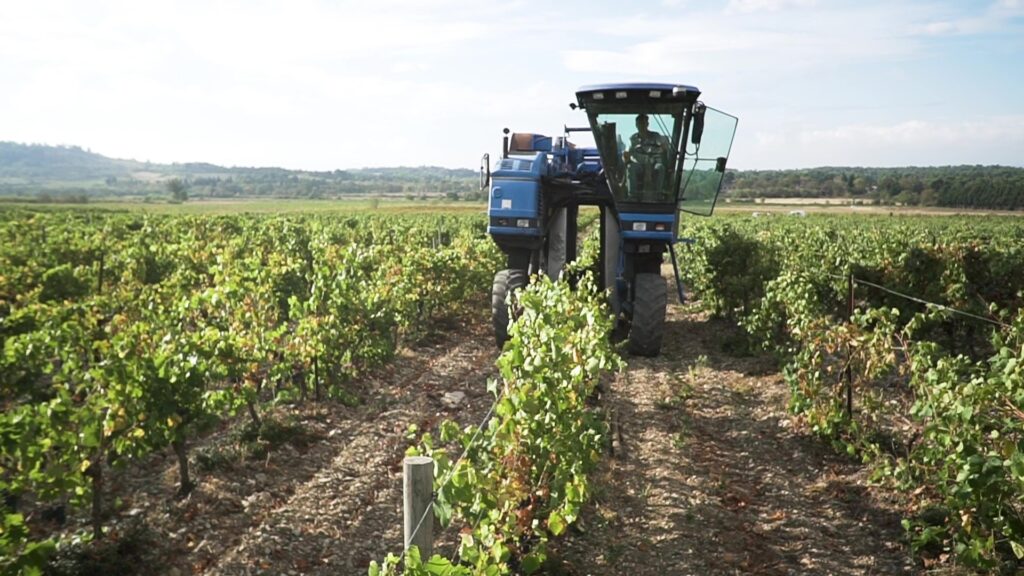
{"points": [[505, 282], [650, 297]]}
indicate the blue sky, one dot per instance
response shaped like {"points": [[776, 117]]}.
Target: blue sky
{"points": [[323, 85]]}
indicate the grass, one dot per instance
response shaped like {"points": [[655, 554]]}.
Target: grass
{"points": [[439, 204], [278, 206], [268, 206]]}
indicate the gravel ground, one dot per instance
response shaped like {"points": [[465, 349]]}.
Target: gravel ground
{"points": [[327, 503], [708, 475]]}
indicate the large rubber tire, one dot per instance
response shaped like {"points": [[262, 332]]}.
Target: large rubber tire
{"points": [[505, 282], [650, 298]]}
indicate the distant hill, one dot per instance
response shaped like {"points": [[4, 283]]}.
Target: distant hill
{"points": [[70, 173], [61, 172], [39, 162]]}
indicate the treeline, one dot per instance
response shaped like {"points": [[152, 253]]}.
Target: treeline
{"points": [[72, 174], [245, 187], [992, 187], [333, 185]]}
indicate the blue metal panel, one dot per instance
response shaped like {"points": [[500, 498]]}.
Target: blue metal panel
{"points": [[640, 217], [665, 236], [541, 142], [514, 198], [515, 189], [510, 231], [628, 219], [498, 213], [521, 166]]}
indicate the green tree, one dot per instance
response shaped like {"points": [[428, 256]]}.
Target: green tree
{"points": [[178, 189]]}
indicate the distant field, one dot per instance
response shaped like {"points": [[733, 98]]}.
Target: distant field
{"points": [[833, 206], [273, 206], [401, 206]]}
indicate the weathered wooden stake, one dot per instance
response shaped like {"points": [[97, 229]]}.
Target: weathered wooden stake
{"points": [[849, 361], [417, 492]]}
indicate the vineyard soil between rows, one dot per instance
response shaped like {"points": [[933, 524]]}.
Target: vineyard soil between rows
{"points": [[327, 498], [712, 476], [708, 475]]}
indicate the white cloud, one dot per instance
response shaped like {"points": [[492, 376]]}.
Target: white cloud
{"points": [[231, 33], [999, 16], [748, 6], [326, 84], [983, 140], [233, 81], [766, 44]]}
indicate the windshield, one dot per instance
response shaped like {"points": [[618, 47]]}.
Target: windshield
{"points": [[638, 154], [704, 166]]}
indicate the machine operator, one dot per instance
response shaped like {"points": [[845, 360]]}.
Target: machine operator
{"points": [[646, 162]]}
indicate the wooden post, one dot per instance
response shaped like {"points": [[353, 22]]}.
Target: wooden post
{"points": [[417, 492]]}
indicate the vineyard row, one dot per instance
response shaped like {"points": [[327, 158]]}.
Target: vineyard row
{"points": [[938, 396], [123, 334]]}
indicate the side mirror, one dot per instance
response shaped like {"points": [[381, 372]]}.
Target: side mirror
{"points": [[698, 122], [485, 172], [720, 164]]}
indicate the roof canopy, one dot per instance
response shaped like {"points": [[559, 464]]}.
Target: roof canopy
{"points": [[635, 94]]}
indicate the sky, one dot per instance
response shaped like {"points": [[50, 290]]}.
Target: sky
{"points": [[324, 85]]}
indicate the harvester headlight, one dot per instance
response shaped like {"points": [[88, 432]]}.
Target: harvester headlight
{"points": [[660, 227], [655, 94], [598, 95], [621, 95], [522, 223], [639, 226]]}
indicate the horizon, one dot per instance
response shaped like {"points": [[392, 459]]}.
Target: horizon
{"points": [[474, 170], [316, 86]]}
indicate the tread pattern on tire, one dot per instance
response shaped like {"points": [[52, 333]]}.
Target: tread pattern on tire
{"points": [[505, 282], [649, 302]]}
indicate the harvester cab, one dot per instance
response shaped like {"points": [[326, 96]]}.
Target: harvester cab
{"points": [[658, 151]]}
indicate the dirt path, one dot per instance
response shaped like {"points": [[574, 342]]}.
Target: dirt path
{"points": [[349, 512], [709, 478], [326, 501]]}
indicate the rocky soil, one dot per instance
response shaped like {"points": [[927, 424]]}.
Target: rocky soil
{"points": [[326, 500], [708, 475]]}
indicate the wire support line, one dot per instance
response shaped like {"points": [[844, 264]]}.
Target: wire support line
{"points": [[927, 303], [856, 280], [448, 476], [476, 524], [476, 434], [426, 512]]}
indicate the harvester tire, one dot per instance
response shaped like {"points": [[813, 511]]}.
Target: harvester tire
{"points": [[650, 298], [505, 282]]}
